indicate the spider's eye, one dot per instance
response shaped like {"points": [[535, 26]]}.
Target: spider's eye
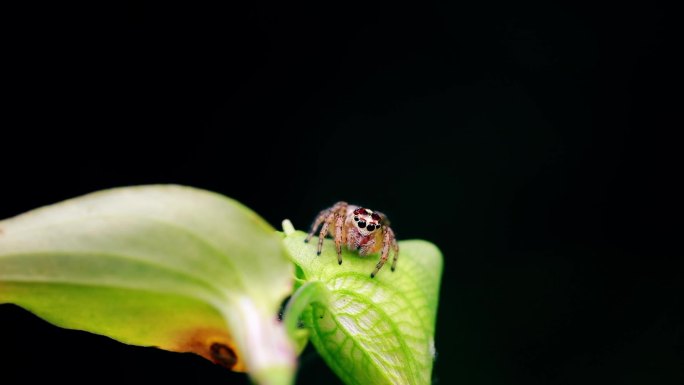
{"points": [[356, 219], [371, 227], [376, 216], [362, 224]]}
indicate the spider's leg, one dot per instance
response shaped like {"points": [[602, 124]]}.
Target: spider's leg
{"points": [[319, 219], [324, 232], [326, 216], [339, 222], [395, 246], [385, 250]]}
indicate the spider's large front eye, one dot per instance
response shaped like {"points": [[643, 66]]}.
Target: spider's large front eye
{"points": [[371, 227], [362, 224]]}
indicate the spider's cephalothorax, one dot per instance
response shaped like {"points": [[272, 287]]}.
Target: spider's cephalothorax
{"points": [[361, 229]]}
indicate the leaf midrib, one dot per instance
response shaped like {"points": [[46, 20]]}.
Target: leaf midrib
{"points": [[208, 244], [129, 259]]}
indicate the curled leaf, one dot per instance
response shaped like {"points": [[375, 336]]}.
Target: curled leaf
{"points": [[174, 267], [369, 330]]}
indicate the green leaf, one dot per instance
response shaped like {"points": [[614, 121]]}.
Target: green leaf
{"points": [[369, 330], [174, 267]]}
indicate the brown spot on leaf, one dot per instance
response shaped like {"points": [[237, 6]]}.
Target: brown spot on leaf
{"points": [[213, 344], [223, 355]]}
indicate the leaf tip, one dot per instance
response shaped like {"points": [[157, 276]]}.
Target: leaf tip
{"points": [[288, 227]]}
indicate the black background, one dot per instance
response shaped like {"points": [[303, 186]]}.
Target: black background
{"points": [[530, 143]]}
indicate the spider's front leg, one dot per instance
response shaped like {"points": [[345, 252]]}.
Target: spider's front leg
{"points": [[387, 237]]}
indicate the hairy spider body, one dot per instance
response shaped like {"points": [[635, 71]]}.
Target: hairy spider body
{"points": [[359, 229]]}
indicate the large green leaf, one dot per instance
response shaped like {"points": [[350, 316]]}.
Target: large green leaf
{"points": [[174, 267], [369, 330]]}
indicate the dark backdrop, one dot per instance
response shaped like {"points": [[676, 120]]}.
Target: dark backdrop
{"points": [[530, 143]]}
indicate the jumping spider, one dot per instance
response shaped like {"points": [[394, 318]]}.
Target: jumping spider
{"points": [[358, 228]]}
